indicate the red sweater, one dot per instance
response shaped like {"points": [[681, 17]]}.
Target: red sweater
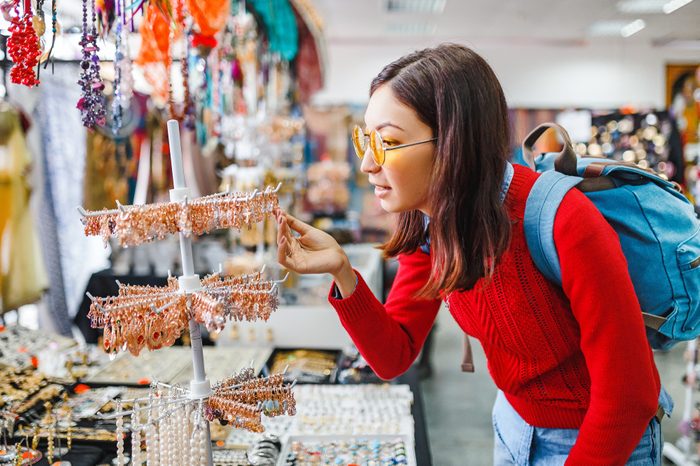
{"points": [[572, 359]]}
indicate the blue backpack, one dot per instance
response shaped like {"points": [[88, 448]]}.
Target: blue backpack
{"points": [[658, 228]]}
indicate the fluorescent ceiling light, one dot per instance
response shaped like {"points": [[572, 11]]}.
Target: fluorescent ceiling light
{"points": [[637, 7], [673, 5], [415, 6], [412, 29], [606, 28], [632, 28]]}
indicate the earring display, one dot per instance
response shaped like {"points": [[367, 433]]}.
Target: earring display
{"points": [[239, 400], [154, 317], [134, 225], [176, 424]]}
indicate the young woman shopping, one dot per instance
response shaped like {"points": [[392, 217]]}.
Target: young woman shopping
{"points": [[576, 376]]}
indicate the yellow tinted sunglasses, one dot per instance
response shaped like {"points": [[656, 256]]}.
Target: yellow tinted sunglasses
{"points": [[373, 140]]}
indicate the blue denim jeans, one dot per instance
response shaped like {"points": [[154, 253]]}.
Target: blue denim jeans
{"points": [[520, 444]]}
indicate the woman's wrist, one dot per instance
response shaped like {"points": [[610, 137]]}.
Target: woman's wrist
{"points": [[345, 278]]}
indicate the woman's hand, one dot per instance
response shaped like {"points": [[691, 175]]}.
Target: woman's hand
{"points": [[312, 251]]}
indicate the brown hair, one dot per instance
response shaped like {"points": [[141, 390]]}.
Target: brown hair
{"points": [[455, 92]]}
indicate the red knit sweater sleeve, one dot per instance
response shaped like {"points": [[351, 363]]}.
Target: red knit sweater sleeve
{"points": [[624, 381], [390, 336]]}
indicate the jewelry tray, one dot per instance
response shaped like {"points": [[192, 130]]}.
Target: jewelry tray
{"points": [[408, 441]]}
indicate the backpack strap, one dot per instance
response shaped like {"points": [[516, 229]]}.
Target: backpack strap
{"points": [[565, 161], [467, 357], [540, 209]]}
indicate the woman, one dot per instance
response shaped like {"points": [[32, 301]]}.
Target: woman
{"points": [[576, 374]]}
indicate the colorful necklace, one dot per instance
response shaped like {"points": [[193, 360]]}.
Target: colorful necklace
{"points": [[91, 104], [23, 47]]}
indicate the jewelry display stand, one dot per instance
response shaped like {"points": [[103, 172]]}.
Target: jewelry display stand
{"points": [[200, 387], [239, 399], [189, 281]]}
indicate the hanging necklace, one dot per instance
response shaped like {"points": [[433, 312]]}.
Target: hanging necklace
{"points": [[91, 104], [117, 108], [186, 114], [54, 31], [23, 47]]}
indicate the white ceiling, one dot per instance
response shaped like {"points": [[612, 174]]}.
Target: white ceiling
{"points": [[500, 22], [488, 22]]}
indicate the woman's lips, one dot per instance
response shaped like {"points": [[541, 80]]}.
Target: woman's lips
{"points": [[381, 191]]}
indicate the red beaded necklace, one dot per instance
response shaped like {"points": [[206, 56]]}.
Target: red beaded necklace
{"points": [[23, 47]]}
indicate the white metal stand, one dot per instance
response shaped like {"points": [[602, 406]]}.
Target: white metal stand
{"points": [[189, 281]]}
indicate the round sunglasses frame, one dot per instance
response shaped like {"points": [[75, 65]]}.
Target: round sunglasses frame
{"points": [[376, 144]]}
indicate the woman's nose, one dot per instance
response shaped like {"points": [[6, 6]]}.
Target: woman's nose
{"points": [[368, 164]]}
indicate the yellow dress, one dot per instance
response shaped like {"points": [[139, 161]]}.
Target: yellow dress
{"points": [[5, 211], [22, 273]]}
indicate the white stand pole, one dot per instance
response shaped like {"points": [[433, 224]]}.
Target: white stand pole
{"points": [[199, 386]]}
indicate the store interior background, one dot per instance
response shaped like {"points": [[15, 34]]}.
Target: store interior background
{"points": [[549, 56]]}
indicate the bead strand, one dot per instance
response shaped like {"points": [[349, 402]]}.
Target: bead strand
{"points": [[117, 109], [23, 47], [120, 436], [153, 431], [180, 425], [185, 433], [135, 437], [171, 440], [202, 446], [163, 441], [91, 102]]}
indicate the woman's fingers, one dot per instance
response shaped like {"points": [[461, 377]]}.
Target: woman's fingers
{"points": [[282, 250], [287, 233], [297, 225], [280, 231], [284, 255], [289, 249]]}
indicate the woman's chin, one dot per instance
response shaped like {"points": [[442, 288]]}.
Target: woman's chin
{"points": [[391, 206], [386, 205]]}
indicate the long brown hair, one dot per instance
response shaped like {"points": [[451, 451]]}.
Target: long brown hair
{"points": [[455, 92]]}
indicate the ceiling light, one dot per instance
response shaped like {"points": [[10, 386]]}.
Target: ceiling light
{"points": [[673, 5], [637, 7], [411, 29], [606, 28], [632, 28], [415, 6]]}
